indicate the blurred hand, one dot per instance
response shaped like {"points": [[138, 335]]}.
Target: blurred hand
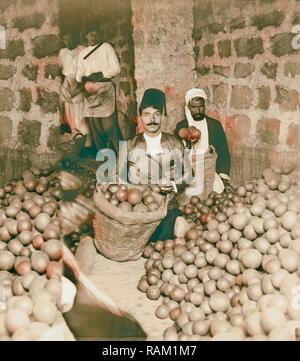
{"points": [[69, 181]]}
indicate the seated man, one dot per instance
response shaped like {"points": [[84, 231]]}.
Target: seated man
{"points": [[212, 133], [154, 148]]}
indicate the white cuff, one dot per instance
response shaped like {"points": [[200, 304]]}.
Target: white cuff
{"points": [[224, 176], [174, 186]]}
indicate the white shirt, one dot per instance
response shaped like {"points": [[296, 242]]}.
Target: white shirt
{"points": [[154, 148], [153, 144], [202, 147], [68, 59], [104, 60]]}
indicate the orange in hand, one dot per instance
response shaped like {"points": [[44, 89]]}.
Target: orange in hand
{"points": [[191, 134]]}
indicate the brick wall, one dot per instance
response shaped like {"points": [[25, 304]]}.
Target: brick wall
{"points": [[28, 98], [114, 19], [239, 50], [164, 55], [29, 74], [245, 60]]}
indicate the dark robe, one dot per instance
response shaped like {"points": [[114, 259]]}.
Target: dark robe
{"points": [[216, 138]]}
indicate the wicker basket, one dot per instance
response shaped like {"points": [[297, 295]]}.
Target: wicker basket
{"points": [[122, 236], [249, 161], [14, 161]]}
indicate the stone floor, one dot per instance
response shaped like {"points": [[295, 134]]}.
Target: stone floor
{"points": [[119, 280]]}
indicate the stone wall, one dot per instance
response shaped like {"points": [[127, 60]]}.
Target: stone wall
{"points": [[164, 55], [239, 50], [28, 94], [246, 62], [113, 18], [30, 77]]}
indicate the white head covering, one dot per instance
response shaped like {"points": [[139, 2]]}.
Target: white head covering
{"points": [[190, 94], [194, 93]]}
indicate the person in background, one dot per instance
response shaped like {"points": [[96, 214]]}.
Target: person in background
{"points": [[212, 133], [71, 96], [97, 65]]}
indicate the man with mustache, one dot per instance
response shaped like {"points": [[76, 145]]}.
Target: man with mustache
{"points": [[212, 133], [154, 146]]}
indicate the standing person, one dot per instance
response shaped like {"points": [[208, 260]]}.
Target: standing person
{"points": [[97, 65], [71, 96], [212, 133]]}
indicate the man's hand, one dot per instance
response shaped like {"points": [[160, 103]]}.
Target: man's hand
{"points": [[84, 79], [166, 189], [194, 141], [227, 184], [167, 186]]}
